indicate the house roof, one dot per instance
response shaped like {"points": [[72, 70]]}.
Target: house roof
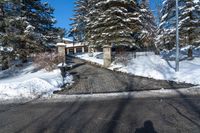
{"points": [[67, 39], [71, 45]]}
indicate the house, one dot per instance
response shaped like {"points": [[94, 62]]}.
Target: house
{"points": [[73, 47]]}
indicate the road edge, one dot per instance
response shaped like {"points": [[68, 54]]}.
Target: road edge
{"points": [[162, 93]]}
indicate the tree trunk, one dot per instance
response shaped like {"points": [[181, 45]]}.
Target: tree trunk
{"points": [[5, 62], [190, 53], [1, 11]]}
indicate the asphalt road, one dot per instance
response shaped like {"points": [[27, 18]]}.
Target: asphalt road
{"points": [[174, 115], [93, 79]]}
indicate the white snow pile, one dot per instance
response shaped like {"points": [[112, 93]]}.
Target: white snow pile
{"points": [[28, 82], [163, 67], [96, 57]]}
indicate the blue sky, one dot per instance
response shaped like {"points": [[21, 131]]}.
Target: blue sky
{"points": [[64, 11]]}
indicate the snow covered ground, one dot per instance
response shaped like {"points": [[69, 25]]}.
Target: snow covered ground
{"points": [[28, 82], [159, 67], [154, 66], [97, 57]]}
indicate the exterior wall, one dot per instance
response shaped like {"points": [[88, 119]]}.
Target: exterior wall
{"points": [[75, 50]]}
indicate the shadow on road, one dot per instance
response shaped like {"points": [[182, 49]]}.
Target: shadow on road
{"points": [[116, 116], [147, 128], [19, 105], [184, 115], [43, 127], [188, 101]]}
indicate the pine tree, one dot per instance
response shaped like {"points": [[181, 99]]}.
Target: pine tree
{"points": [[149, 25], [188, 24], [79, 21], [7, 12], [166, 32], [113, 22], [1, 34], [39, 22], [91, 18], [28, 27], [1, 20]]}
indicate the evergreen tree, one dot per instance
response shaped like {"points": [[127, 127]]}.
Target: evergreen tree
{"points": [[1, 21], [166, 33], [7, 13], [28, 27], [1, 34], [189, 17], [113, 22], [79, 21], [149, 25], [91, 18], [39, 30], [190, 22]]}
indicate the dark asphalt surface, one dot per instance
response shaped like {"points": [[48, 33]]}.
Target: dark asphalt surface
{"points": [[173, 115], [93, 79]]}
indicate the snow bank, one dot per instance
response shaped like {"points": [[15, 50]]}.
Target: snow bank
{"points": [[29, 83], [163, 67], [153, 66]]}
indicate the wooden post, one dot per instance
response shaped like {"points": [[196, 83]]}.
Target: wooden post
{"points": [[107, 57]]}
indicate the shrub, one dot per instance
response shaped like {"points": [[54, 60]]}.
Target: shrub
{"points": [[47, 61]]}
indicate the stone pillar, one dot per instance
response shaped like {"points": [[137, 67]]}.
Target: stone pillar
{"points": [[62, 52], [107, 55]]}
